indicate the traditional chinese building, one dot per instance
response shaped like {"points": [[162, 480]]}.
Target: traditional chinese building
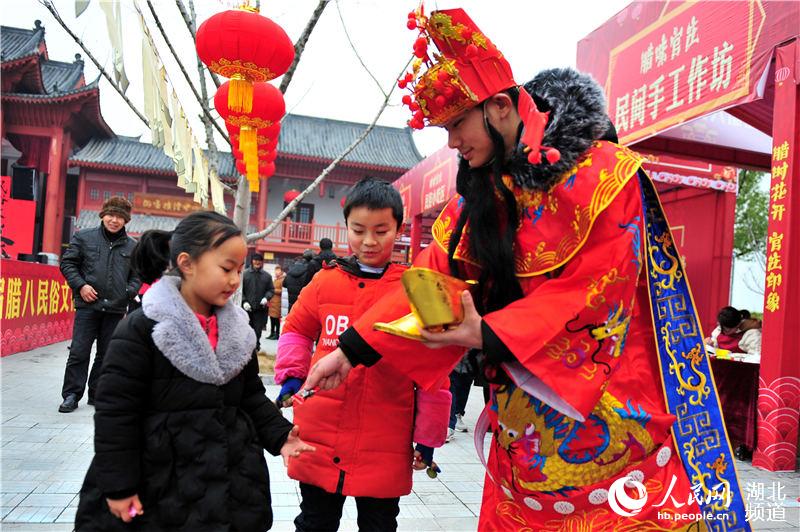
{"points": [[48, 112], [145, 175]]}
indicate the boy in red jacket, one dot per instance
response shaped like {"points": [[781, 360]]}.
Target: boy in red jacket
{"points": [[363, 430]]}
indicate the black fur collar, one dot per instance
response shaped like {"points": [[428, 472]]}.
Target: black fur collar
{"points": [[577, 118]]}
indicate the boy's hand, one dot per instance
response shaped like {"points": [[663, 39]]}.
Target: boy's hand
{"points": [[329, 372], [423, 459], [290, 387], [466, 334], [127, 508], [294, 446]]}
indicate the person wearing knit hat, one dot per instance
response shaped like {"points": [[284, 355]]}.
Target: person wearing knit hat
{"points": [[97, 267], [119, 206], [603, 411]]}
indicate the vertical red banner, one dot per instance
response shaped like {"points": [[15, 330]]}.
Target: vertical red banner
{"points": [[779, 379]]}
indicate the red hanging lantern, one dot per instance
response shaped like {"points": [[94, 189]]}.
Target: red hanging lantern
{"points": [[267, 110], [266, 170], [290, 195], [246, 47], [269, 157], [344, 200]]}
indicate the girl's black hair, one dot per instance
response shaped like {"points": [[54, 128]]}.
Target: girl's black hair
{"points": [[197, 233], [374, 194], [729, 317], [491, 229]]}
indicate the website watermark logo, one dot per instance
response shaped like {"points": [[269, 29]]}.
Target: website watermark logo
{"points": [[623, 504]]}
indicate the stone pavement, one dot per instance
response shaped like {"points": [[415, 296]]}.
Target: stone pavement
{"points": [[44, 456]]}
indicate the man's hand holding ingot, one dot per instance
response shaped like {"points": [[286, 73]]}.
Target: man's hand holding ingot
{"points": [[329, 372], [466, 334]]}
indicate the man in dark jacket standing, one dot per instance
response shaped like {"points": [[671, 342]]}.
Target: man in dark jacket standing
{"points": [[298, 275], [325, 256], [97, 267], [257, 290]]}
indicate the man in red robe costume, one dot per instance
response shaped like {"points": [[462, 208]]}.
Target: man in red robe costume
{"points": [[549, 220]]}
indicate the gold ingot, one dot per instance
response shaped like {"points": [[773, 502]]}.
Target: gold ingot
{"points": [[405, 327], [435, 300]]}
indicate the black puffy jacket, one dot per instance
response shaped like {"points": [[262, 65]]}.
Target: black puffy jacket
{"points": [[192, 451], [106, 266]]}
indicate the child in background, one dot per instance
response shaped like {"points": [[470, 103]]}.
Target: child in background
{"points": [[181, 416], [363, 431]]}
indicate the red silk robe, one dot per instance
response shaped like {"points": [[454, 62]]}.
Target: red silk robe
{"points": [[584, 329]]}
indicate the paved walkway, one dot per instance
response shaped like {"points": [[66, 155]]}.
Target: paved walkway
{"points": [[44, 457]]}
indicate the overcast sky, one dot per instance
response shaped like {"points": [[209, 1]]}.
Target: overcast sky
{"points": [[329, 81]]}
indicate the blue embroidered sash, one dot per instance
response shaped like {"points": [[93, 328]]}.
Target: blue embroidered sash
{"points": [[689, 390]]}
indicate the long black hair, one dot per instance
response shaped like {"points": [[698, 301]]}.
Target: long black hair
{"points": [[489, 245], [199, 232]]}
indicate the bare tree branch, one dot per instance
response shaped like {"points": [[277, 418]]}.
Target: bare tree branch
{"points": [[201, 101], [353, 46], [51, 8], [300, 45], [291, 206], [191, 24]]}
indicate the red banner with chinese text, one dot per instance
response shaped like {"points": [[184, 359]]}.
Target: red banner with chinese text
{"points": [[664, 63], [430, 184], [35, 306], [779, 378]]}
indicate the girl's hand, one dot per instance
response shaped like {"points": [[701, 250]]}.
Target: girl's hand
{"points": [[294, 446], [126, 509], [329, 372], [466, 334]]}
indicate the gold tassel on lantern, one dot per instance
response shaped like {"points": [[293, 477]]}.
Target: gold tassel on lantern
{"points": [[240, 95], [247, 139], [251, 166]]}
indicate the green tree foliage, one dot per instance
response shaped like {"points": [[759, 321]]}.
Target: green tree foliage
{"points": [[750, 226]]}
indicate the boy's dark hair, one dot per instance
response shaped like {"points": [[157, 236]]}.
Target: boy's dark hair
{"points": [[374, 194], [729, 317], [325, 243], [199, 232]]}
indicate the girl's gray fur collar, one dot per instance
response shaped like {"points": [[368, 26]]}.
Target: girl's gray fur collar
{"points": [[181, 339], [577, 118]]}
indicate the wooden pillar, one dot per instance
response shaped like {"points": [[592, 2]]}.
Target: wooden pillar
{"points": [[779, 378], [54, 198]]}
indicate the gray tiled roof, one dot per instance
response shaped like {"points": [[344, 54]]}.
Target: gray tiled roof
{"points": [[128, 152], [16, 43], [58, 76], [323, 138], [303, 136], [139, 222]]}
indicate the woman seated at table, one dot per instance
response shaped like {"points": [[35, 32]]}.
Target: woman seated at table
{"points": [[736, 331]]}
